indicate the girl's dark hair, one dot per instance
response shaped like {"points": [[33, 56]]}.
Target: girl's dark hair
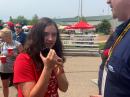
{"points": [[35, 43]]}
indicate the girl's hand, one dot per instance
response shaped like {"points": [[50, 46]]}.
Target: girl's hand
{"points": [[50, 60], [58, 66], [58, 70], [59, 61]]}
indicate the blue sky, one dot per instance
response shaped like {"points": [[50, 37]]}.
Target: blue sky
{"points": [[51, 8]]}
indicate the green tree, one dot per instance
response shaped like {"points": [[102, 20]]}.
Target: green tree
{"points": [[20, 19], [104, 27], [81, 18], [1, 24], [0, 21], [11, 19], [34, 20]]}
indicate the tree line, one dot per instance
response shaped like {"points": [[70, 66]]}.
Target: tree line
{"points": [[103, 27], [22, 20]]}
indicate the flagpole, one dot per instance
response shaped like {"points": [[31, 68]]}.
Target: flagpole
{"points": [[81, 10], [81, 16]]}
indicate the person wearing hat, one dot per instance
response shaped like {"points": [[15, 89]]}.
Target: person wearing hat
{"points": [[9, 49], [19, 35], [10, 25]]}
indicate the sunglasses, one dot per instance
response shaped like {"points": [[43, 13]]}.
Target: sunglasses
{"points": [[18, 27]]}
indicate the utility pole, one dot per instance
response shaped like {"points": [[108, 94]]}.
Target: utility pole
{"points": [[81, 9]]}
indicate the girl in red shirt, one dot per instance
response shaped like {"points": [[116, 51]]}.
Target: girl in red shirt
{"points": [[35, 74]]}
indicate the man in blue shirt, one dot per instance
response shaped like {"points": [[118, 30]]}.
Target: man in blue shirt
{"points": [[19, 35], [104, 57], [117, 79]]}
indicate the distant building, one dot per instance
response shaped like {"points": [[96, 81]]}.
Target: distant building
{"points": [[94, 20]]}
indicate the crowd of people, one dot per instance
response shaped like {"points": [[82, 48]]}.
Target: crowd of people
{"points": [[23, 59], [11, 45]]}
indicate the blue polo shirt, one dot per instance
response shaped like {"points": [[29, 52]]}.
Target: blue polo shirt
{"points": [[118, 75], [21, 37]]}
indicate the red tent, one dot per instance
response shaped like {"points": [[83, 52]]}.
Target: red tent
{"points": [[80, 25]]}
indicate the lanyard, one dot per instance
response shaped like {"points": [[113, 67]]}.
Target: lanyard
{"points": [[118, 40]]}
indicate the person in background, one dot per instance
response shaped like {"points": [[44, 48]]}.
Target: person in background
{"points": [[116, 72], [6, 64], [19, 35], [10, 25], [35, 74], [1, 39], [1, 26]]}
